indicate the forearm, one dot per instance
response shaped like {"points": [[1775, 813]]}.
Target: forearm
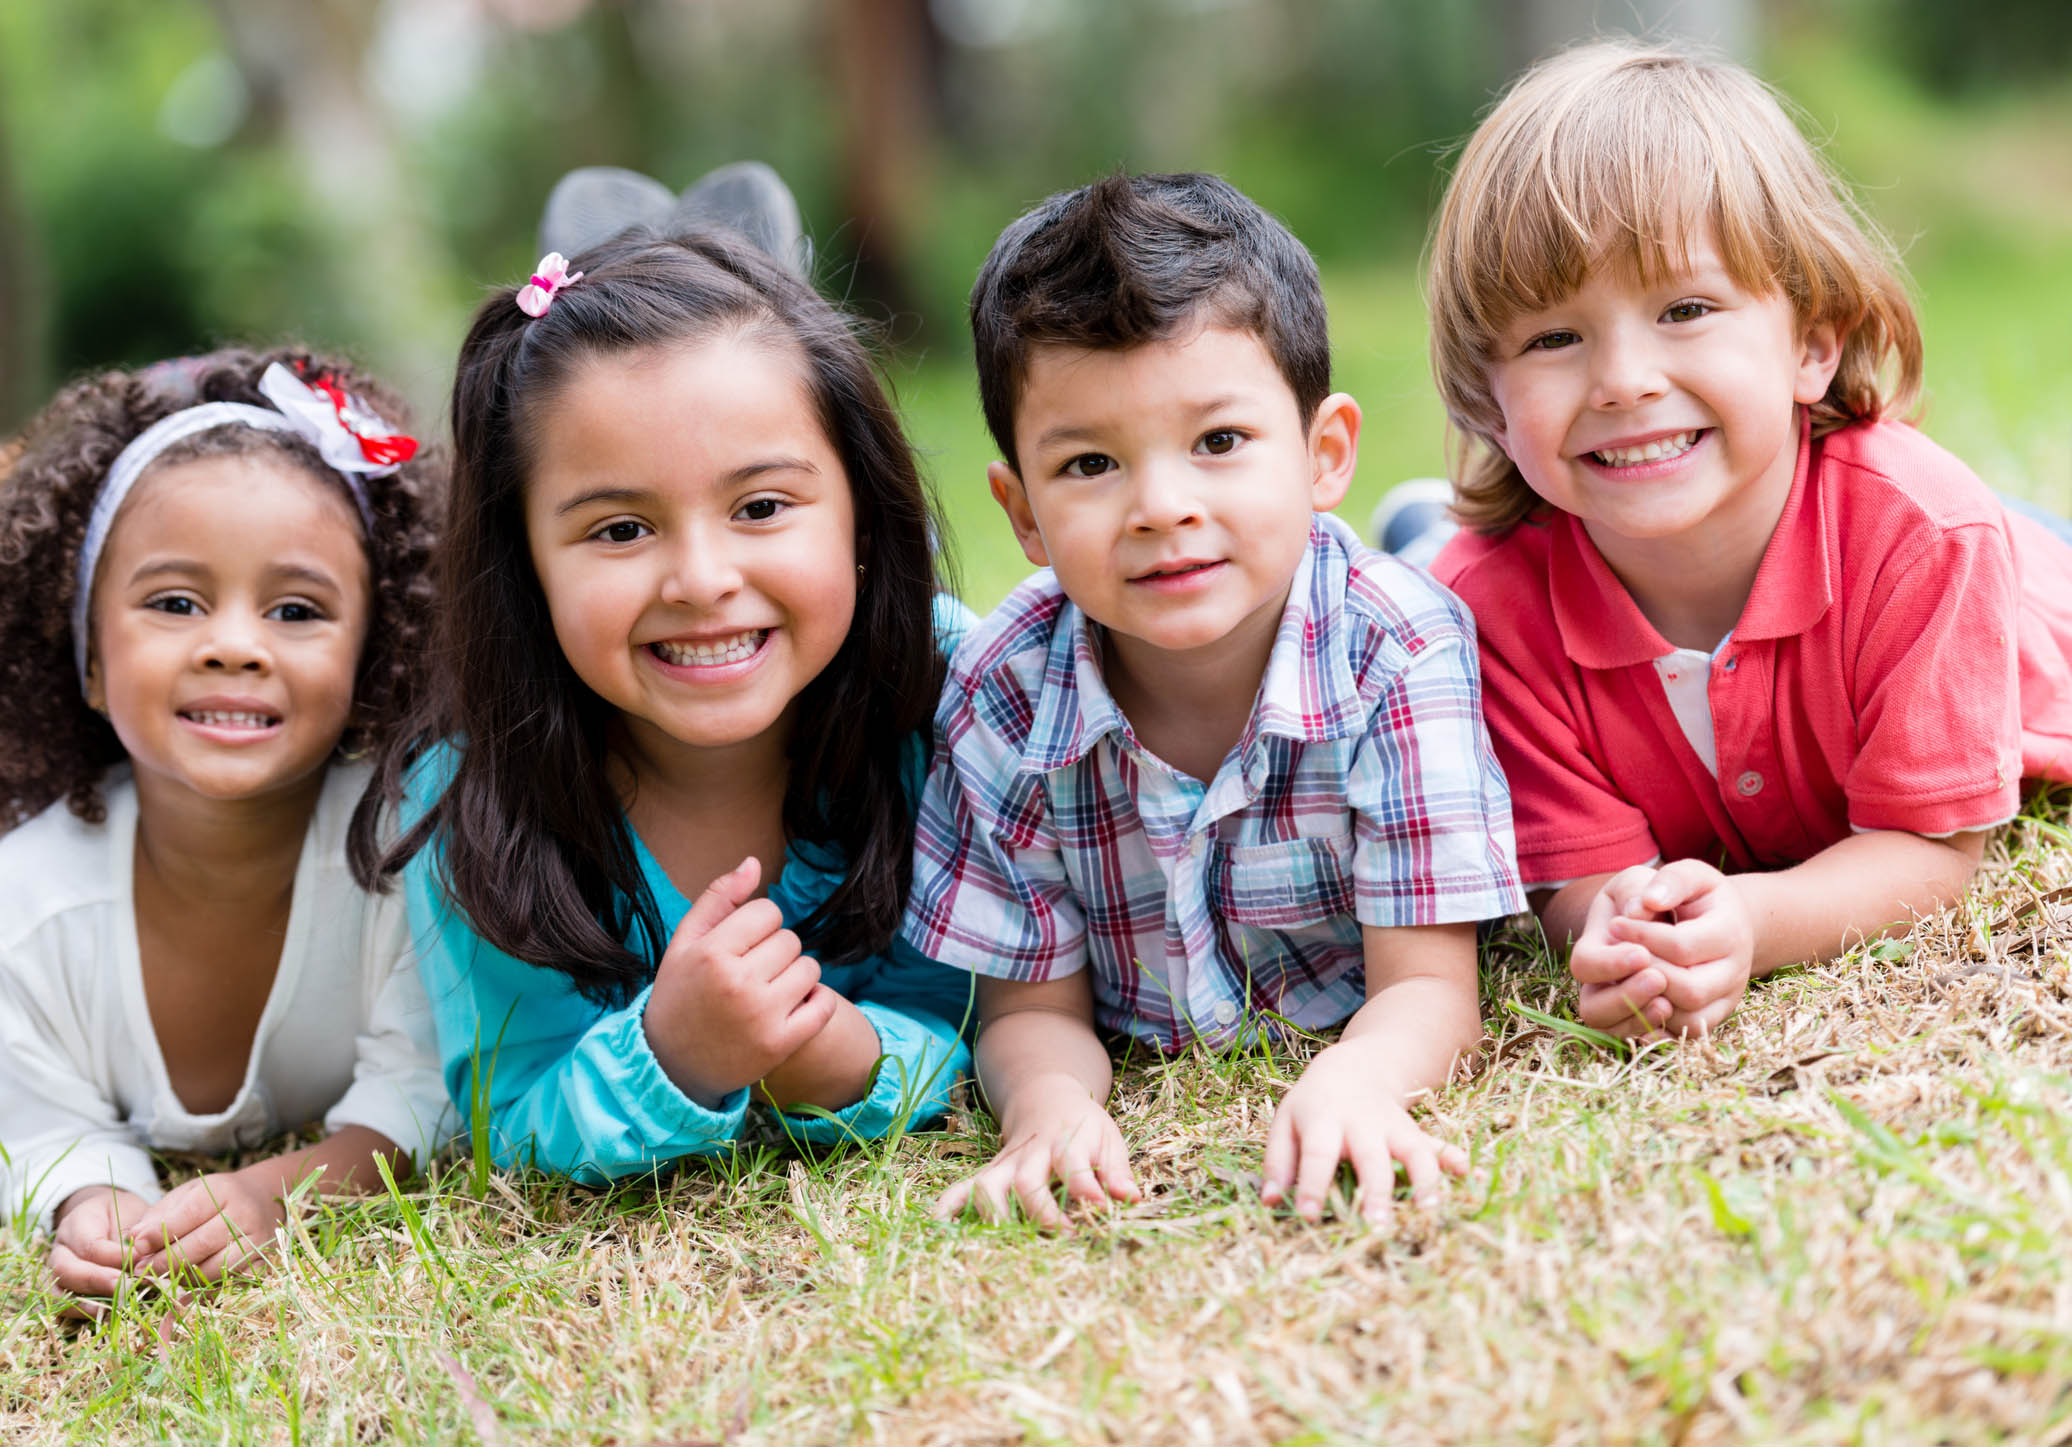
{"points": [[1027, 1045], [1422, 1009], [832, 1070], [345, 1159], [1863, 887]]}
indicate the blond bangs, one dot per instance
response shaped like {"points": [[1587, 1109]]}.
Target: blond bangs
{"points": [[1616, 156]]}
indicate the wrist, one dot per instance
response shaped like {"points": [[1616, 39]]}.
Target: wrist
{"points": [[677, 1054]]}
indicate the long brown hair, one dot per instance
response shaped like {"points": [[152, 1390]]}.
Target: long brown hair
{"points": [[530, 839]]}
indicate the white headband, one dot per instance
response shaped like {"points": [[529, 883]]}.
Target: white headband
{"points": [[352, 441]]}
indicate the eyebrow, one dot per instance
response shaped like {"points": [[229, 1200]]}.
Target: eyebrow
{"points": [[744, 473], [302, 573], [1090, 431], [191, 568], [155, 567]]}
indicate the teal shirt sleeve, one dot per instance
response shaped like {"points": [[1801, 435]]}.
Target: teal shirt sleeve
{"points": [[572, 1086]]}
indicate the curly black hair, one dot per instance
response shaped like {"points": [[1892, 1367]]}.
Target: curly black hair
{"points": [[52, 746]]}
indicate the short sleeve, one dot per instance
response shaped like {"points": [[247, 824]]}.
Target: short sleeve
{"points": [[1937, 691], [990, 891], [1571, 819], [1431, 814]]}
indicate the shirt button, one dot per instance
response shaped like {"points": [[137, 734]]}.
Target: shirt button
{"points": [[1225, 1012], [1749, 784]]}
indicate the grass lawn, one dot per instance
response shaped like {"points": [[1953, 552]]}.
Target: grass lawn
{"points": [[1841, 1220]]}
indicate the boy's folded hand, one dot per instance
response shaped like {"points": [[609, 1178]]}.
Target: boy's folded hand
{"points": [[1054, 1132], [1696, 930], [1622, 984], [1344, 1109]]}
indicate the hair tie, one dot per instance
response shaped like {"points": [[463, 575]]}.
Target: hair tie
{"points": [[353, 441], [549, 277]]}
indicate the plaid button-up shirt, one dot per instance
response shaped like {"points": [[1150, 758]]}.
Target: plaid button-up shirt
{"points": [[1362, 792]]}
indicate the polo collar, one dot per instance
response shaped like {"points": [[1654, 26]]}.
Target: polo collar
{"points": [[1602, 627], [1308, 692]]}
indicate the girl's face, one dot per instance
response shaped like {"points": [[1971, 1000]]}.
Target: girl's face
{"points": [[229, 609], [692, 529], [1656, 410]]}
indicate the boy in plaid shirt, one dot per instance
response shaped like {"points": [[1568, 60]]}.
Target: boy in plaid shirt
{"points": [[1219, 765]]}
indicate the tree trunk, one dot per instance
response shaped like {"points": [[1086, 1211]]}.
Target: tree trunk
{"points": [[21, 309], [886, 68]]}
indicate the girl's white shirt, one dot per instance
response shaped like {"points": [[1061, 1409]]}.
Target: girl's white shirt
{"points": [[346, 1035]]}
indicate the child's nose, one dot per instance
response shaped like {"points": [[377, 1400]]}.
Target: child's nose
{"points": [[1626, 370], [1163, 498], [233, 645], [701, 573]]}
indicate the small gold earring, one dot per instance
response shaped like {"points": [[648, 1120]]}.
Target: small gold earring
{"points": [[859, 570]]}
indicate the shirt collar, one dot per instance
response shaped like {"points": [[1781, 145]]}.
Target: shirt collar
{"points": [[1602, 627], [1308, 692]]}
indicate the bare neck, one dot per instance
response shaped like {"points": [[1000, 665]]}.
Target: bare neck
{"points": [[1694, 585], [224, 853]]}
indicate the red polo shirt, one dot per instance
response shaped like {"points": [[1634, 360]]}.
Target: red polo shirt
{"points": [[1903, 662]]}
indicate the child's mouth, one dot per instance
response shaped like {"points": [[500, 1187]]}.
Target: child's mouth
{"points": [[1662, 449], [232, 720], [1177, 572], [711, 653]]}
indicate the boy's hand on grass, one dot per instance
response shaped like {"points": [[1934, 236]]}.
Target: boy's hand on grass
{"points": [[1696, 930], [1623, 985], [87, 1252], [734, 997], [1055, 1132], [208, 1227], [1344, 1109]]}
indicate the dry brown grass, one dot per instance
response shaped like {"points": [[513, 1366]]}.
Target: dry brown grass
{"points": [[1840, 1221]]}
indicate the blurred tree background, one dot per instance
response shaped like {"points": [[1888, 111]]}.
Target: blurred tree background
{"points": [[174, 173]]}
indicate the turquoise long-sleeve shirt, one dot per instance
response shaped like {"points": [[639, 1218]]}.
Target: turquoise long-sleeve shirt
{"points": [[574, 1086]]}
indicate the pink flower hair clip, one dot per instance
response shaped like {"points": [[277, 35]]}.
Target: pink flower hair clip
{"points": [[549, 277]]}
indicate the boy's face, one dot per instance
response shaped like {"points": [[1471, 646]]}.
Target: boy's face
{"points": [[1654, 410], [1171, 485]]}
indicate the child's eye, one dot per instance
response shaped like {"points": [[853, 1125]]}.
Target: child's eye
{"points": [[760, 509], [1221, 442], [1089, 464], [1686, 311], [295, 612], [1552, 341], [621, 532], [173, 603]]}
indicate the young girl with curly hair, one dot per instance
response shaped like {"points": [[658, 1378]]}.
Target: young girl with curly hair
{"points": [[658, 823], [211, 598]]}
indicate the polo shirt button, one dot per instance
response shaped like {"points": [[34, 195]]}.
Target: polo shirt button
{"points": [[1225, 1012], [1749, 784]]}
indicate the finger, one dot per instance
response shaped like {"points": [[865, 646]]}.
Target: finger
{"points": [[1453, 1160], [1672, 942], [1603, 1006], [1677, 883], [1322, 1146], [82, 1277], [719, 899], [101, 1246], [1625, 888], [1697, 1024], [243, 1254], [790, 986], [182, 1255], [748, 926], [1075, 1167], [1032, 1192], [807, 1020], [1419, 1154], [1703, 985], [951, 1203], [180, 1210], [991, 1188], [766, 959], [1112, 1165], [1600, 964], [1375, 1169], [1277, 1171]]}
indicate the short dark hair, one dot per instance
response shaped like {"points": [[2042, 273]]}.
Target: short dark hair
{"points": [[533, 848], [1135, 259]]}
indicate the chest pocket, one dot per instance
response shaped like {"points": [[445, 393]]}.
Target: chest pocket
{"points": [[1286, 886]]}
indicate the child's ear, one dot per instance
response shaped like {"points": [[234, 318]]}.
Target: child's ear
{"points": [[96, 690], [1820, 353], [1014, 501], [1334, 451]]}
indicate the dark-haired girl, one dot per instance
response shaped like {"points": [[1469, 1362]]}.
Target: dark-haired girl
{"points": [[657, 850], [212, 588]]}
